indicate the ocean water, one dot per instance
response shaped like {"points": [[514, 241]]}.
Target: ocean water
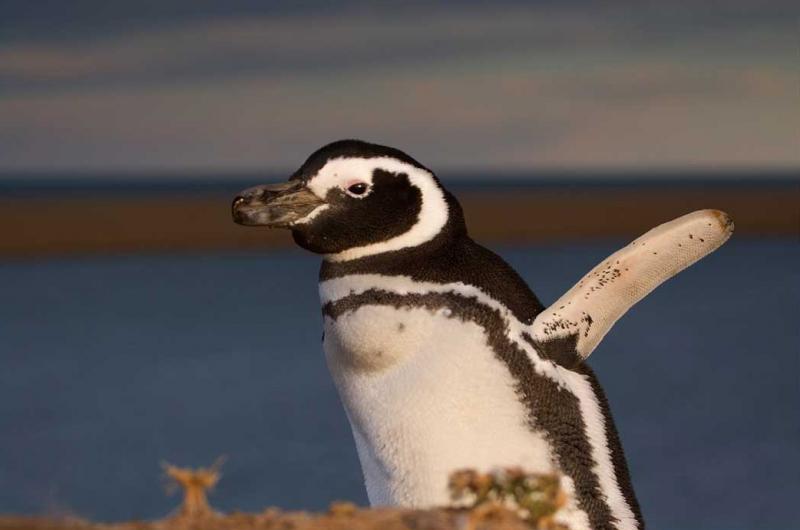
{"points": [[109, 366]]}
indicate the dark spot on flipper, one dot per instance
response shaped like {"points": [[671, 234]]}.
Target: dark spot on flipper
{"points": [[691, 236], [587, 318], [724, 219], [401, 327]]}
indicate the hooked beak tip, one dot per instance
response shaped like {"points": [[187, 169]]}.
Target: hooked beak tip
{"points": [[274, 206]]}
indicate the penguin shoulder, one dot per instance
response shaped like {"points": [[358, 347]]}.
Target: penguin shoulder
{"points": [[460, 261]]}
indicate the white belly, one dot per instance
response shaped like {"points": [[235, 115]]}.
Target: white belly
{"points": [[426, 396]]}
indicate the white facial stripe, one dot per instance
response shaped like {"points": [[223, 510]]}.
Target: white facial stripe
{"points": [[579, 385], [433, 214], [312, 214]]}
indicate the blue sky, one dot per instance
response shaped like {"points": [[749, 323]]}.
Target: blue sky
{"points": [[249, 86]]}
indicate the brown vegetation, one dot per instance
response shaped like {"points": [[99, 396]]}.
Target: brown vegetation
{"points": [[195, 483], [506, 500]]}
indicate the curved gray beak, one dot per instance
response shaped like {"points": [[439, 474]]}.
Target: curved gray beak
{"points": [[274, 205]]}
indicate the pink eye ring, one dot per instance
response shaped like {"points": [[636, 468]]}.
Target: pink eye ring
{"points": [[357, 188]]}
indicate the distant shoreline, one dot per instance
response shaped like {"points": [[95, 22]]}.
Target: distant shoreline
{"points": [[112, 218]]}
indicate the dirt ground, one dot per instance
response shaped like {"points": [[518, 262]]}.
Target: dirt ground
{"points": [[339, 517]]}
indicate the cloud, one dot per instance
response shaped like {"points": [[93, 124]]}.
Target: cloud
{"points": [[292, 44], [297, 43], [477, 87]]}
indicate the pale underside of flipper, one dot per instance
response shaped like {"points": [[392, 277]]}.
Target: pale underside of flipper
{"points": [[572, 327]]}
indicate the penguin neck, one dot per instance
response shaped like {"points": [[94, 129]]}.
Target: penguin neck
{"points": [[452, 237], [450, 257]]}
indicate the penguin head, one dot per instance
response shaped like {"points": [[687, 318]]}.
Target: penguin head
{"points": [[352, 199]]}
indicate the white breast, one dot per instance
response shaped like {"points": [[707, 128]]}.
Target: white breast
{"points": [[426, 396]]}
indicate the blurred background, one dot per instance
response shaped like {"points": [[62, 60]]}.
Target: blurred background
{"points": [[140, 325]]}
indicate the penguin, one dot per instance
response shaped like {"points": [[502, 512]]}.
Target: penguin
{"points": [[443, 357]]}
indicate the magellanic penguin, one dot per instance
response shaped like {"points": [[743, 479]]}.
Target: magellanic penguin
{"points": [[443, 357]]}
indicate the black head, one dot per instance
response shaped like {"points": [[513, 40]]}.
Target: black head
{"points": [[352, 199]]}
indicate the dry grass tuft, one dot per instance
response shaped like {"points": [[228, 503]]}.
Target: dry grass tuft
{"points": [[195, 484]]}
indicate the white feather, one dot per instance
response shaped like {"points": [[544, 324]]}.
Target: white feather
{"points": [[426, 396]]}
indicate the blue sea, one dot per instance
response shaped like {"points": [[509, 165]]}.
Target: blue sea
{"points": [[111, 365]]}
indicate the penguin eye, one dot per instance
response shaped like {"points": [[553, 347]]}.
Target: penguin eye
{"points": [[359, 188]]}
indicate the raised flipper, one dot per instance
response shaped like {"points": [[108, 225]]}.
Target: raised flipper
{"points": [[570, 329]]}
